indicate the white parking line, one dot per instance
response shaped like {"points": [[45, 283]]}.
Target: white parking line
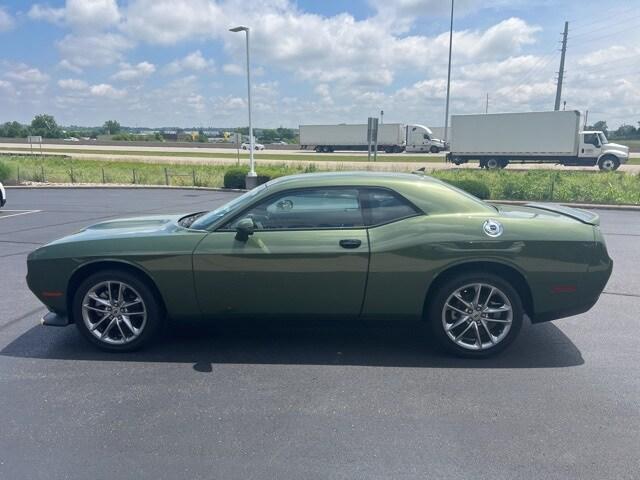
{"points": [[20, 212]]}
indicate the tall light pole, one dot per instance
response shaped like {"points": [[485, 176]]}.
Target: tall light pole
{"points": [[446, 108], [251, 180]]}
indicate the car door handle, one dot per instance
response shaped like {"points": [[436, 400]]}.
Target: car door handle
{"points": [[350, 243]]}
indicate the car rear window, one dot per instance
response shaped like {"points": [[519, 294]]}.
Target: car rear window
{"points": [[384, 206]]}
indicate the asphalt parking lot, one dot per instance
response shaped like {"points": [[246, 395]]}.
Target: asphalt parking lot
{"points": [[308, 400]]}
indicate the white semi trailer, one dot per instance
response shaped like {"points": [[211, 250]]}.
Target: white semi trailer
{"points": [[392, 138], [495, 140]]}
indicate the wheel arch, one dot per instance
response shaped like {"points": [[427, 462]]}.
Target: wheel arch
{"points": [[613, 155], [87, 269], [507, 272]]}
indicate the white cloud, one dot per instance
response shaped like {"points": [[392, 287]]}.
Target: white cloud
{"points": [[67, 65], [167, 22], [193, 61], [233, 69], [72, 84], [25, 74], [46, 13], [129, 72], [84, 15], [24, 82], [6, 21], [106, 90], [80, 50]]}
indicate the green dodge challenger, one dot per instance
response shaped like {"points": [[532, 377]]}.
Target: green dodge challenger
{"points": [[367, 245]]}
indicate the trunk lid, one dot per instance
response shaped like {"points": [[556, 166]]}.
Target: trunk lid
{"points": [[584, 216]]}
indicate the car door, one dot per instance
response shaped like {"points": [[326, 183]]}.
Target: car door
{"points": [[589, 145], [308, 255]]}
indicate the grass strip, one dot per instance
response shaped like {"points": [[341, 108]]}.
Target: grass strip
{"points": [[531, 185]]}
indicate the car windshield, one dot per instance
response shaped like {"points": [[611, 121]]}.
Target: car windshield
{"points": [[603, 138], [210, 218]]}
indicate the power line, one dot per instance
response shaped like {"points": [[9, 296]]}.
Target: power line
{"points": [[606, 26]]}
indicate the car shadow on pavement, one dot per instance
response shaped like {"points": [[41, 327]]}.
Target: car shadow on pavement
{"points": [[303, 342]]}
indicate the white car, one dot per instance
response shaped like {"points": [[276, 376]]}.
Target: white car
{"points": [[256, 146], [71, 139], [3, 196]]}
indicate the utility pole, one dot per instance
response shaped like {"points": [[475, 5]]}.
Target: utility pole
{"points": [[486, 105], [381, 117], [561, 71], [446, 108]]}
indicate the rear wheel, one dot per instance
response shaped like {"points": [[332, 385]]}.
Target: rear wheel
{"points": [[475, 315], [434, 149], [608, 163], [116, 311], [493, 164]]}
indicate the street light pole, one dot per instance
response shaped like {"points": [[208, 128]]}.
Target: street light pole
{"points": [[446, 111], [251, 180]]}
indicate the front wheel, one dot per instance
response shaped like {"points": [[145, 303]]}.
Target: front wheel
{"points": [[116, 311], [608, 163], [434, 149], [475, 315]]}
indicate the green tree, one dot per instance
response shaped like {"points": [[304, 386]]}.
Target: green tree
{"points": [[45, 126], [112, 127], [13, 130], [600, 125], [625, 131]]}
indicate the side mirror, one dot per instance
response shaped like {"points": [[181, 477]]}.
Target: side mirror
{"points": [[244, 229]]}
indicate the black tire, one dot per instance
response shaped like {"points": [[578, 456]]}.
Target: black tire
{"points": [[493, 164], [154, 311], [436, 306], [318, 149], [388, 149], [434, 149], [397, 149], [608, 163]]}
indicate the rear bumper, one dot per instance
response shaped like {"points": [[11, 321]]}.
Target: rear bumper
{"points": [[565, 312], [53, 319]]}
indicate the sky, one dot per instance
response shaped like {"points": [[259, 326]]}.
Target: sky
{"points": [[151, 63]]}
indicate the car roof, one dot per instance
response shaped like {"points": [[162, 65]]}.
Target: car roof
{"points": [[348, 178], [428, 193]]}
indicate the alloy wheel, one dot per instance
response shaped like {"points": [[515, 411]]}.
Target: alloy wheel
{"points": [[477, 316], [114, 312]]}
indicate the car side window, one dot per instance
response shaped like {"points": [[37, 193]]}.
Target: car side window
{"points": [[384, 206], [308, 209]]}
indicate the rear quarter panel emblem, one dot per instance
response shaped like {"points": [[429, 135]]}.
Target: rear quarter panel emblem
{"points": [[492, 228]]}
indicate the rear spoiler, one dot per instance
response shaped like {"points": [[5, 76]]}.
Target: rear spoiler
{"points": [[584, 216]]}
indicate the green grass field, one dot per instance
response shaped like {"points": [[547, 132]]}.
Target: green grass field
{"points": [[310, 157], [541, 185]]}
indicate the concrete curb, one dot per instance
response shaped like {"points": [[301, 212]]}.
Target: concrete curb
{"points": [[597, 206], [122, 186]]}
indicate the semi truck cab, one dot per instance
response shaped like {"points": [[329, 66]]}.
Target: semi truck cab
{"points": [[421, 139]]}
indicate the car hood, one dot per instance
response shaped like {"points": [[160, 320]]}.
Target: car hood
{"points": [[125, 227]]}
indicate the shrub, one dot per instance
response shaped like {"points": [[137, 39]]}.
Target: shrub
{"points": [[474, 187], [234, 177], [5, 172]]}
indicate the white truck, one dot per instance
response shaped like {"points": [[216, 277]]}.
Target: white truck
{"points": [[497, 139], [392, 138]]}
